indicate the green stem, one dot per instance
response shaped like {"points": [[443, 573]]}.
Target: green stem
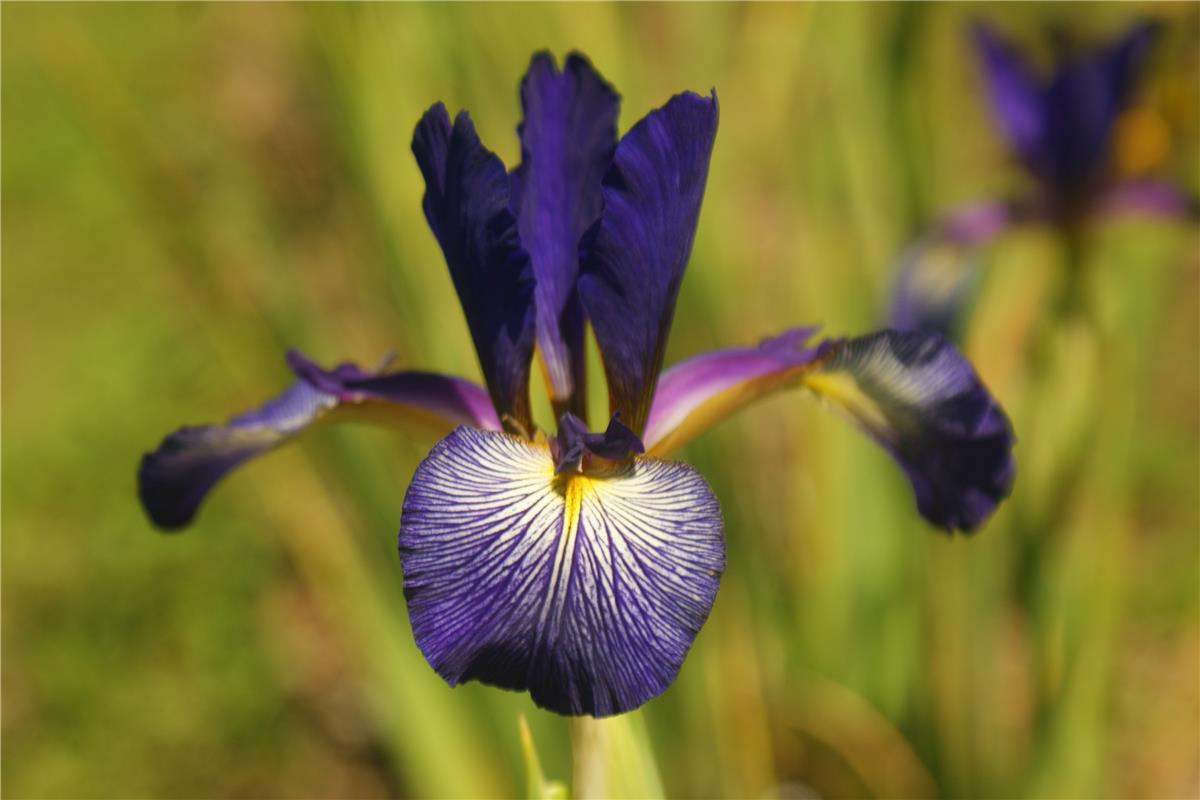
{"points": [[613, 759]]}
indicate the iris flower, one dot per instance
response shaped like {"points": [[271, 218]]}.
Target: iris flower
{"points": [[1059, 129], [580, 565]]}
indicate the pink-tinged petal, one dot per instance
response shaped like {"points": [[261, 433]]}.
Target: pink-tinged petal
{"points": [[696, 394], [1153, 199], [586, 590], [175, 478], [404, 397]]}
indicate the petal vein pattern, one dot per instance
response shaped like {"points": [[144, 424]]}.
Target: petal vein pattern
{"points": [[586, 590]]}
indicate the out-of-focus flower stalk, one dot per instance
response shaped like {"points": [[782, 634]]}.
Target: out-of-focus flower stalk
{"points": [[537, 787], [613, 759]]}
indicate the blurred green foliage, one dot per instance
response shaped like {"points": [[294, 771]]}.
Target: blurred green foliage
{"points": [[189, 189]]}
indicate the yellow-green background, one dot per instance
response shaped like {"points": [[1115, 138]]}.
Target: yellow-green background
{"points": [[190, 189]]}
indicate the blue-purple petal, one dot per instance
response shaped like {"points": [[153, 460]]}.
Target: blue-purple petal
{"points": [[1086, 97], [1061, 127], [175, 478], [1109, 86], [467, 206], [640, 247], [1016, 97], [568, 135], [585, 590], [912, 392], [920, 399]]}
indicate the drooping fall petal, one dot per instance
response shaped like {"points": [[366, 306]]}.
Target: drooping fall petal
{"points": [[175, 478], [585, 590], [913, 393]]}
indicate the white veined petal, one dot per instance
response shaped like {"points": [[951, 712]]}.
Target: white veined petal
{"points": [[586, 590]]}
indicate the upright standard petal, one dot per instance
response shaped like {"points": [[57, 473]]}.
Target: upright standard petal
{"points": [[1091, 92], [467, 206], [912, 392], [640, 246], [176, 477], [936, 273], [1016, 97], [585, 590], [1082, 102], [1123, 59], [567, 135], [917, 396]]}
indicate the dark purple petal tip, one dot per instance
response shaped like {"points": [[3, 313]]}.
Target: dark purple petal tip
{"points": [[585, 591], [921, 400], [1016, 97]]}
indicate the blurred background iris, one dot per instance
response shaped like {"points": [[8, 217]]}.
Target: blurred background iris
{"points": [[190, 189]]}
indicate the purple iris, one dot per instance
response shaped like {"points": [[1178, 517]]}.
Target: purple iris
{"points": [[1059, 128], [580, 566]]}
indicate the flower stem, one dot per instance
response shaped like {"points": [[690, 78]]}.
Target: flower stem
{"points": [[613, 759]]}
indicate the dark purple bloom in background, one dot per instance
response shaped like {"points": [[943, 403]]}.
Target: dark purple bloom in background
{"points": [[580, 566], [1059, 128]]}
